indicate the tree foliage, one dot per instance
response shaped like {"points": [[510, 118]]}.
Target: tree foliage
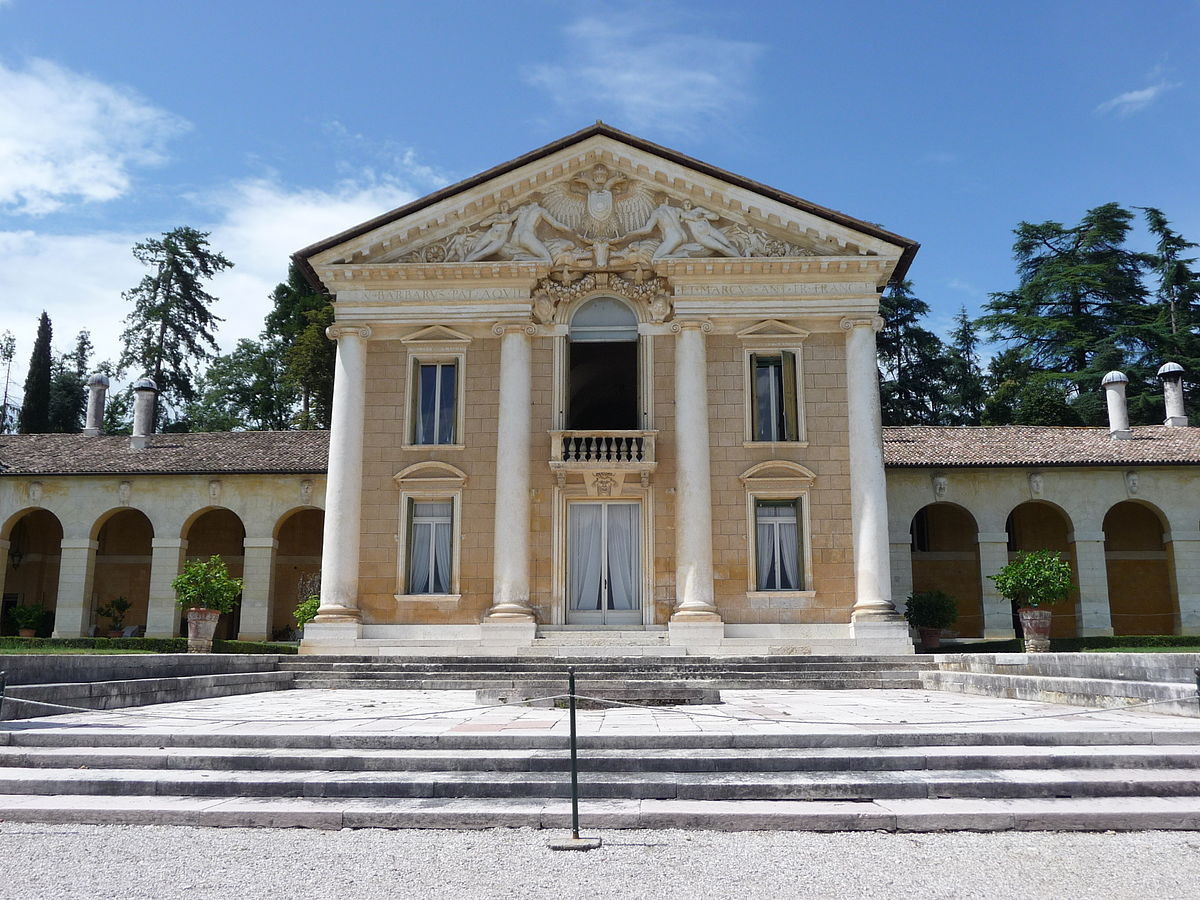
{"points": [[294, 331], [1035, 578], [243, 390], [169, 332], [8, 408], [966, 393], [911, 361], [68, 387], [35, 406], [207, 584]]}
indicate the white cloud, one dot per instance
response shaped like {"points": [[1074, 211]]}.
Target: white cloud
{"points": [[1130, 102], [258, 224], [647, 75], [68, 137]]}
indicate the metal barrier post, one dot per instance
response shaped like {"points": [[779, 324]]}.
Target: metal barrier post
{"points": [[3, 685], [575, 842], [1197, 685]]}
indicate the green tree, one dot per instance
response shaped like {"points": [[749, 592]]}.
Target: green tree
{"points": [[294, 331], [68, 387], [965, 391], [243, 390], [1177, 322], [1080, 306], [170, 329], [911, 360], [8, 409], [35, 407]]}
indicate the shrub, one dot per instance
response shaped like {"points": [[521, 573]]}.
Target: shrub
{"points": [[207, 584], [306, 609], [1033, 579], [116, 612], [931, 609], [28, 616], [154, 645]]}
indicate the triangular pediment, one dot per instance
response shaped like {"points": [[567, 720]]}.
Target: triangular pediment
{"points": [[436, 334], [601, 199], [771, 329]]}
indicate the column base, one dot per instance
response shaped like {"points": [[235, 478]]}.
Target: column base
{"points": [[510, 612], [331, 637], [695, 615], [699, 637], [338, 615], [506, 635], [881, 636]]}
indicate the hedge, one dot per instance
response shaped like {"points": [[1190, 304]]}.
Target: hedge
{"points": [[1072, 645], [154, 645]]}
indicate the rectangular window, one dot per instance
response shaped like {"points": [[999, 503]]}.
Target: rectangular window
{"points": [[434, 399], [429, 547], [779, 562], [773, 403]]}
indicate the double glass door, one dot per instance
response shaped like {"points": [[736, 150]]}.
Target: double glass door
{"points": [[604, 568]]}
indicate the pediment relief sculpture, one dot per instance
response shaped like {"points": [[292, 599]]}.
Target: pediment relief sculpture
{"points": [[604, 219]]}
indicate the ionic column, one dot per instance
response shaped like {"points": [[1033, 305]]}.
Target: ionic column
{"points": [[343, 491], [76, 574], [258, 575], [1095, 614], [997, 610], [693, 482], [902, 570], [510, 561], [868, 488], [1185, 554], [163, 614]]}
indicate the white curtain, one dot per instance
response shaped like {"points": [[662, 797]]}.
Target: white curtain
{"points": [[765, 547], [623, 556], [584, 563], [418, 582], [441, 549], [789, 556]]}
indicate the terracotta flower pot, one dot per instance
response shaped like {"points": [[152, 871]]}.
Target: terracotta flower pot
{"points": [[1035, 628], [116, 632], [202, 624], [931, 638], [26, 632]]}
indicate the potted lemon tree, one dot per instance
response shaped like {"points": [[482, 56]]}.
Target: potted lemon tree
{"points": [[1034, 580], [930, 612], [115, 612], [27, 618], [205, 589]]}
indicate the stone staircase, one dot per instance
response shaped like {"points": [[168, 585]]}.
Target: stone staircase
{"points": [[881, 778], [679, 679]]}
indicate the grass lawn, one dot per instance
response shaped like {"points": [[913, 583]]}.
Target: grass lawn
{"points": [[56, 651], [1194, 648]]}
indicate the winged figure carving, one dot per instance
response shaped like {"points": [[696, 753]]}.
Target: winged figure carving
{"points": [[600, 205]]}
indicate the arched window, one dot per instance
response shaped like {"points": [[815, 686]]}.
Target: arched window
{"points": [[602, 375]]}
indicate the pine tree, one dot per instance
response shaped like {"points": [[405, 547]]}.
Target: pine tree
{"points": [[170, 329], [965, 392], [8, 409], [1176, 335], [35, 407], [294, 330], [911, 359], [1079, 308], [68, 387]]}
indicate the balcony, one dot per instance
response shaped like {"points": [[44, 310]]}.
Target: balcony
{"points": [[591, 453]]}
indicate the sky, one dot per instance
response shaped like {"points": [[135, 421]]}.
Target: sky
{"points": [[275, 123]]}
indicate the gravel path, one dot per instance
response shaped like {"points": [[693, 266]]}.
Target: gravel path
{"points": [[132, 862]]}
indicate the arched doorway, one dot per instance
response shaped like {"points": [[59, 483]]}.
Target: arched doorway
{"points": [[122, 567], [1037, 525], [945, 557], [1141, 591], [31, 567], [297, 559], [219, 532], [602, 367]]}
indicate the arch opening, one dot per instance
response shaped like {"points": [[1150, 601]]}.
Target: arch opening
{"points": [[297, 568], [945, 557], [602, 367], [219, 532], [1037, 525], [1142, 594], [31, 566], [123, 553]]}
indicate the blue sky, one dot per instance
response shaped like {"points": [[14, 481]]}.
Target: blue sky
{"points": [[274, 124]]}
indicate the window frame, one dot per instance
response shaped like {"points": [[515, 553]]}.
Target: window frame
{"points": [[428, 482], [750, 355], [798, 520], [775, 480], [431, 357]]}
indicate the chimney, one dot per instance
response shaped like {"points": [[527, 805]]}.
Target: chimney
{"points": [[144, 393], [1118, 416], [1172, 381], [97, 389]]}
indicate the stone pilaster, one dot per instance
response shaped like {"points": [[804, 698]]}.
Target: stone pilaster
{"points": [[76, 574], [510, 566], [868, 488], [338, 616], [693, 481], [902, 570], [4, 548], [1184, 547], [163, 614], [997, 610], [1095, 614], [258, 575]]}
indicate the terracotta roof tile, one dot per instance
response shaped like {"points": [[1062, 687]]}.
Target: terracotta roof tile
{"points": [[1037, 445], [219, 452]]}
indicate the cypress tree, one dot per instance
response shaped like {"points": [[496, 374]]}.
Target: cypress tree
{"points": [[35, 407]]}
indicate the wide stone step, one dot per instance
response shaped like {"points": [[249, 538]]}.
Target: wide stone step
{"points": [[911, 784], [608, 691], [1089, 814], [563, 661], [777, 760]]}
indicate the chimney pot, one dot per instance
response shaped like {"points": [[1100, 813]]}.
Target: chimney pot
{"points": [[144, 393], [1171, 374], [97, 391], [1118, 415]]}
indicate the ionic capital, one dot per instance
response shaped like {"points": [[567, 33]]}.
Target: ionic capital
{"points": [[334, 332], [502, 328], [703, 325], [875, 323]]}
